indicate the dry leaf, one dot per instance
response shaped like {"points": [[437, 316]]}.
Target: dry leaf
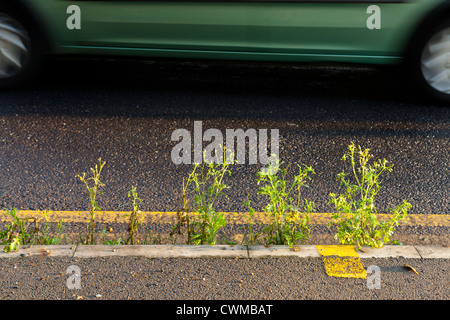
{"points": [[407, 266]]}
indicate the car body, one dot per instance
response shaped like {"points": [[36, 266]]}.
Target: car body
{"points": [[355, 31]]}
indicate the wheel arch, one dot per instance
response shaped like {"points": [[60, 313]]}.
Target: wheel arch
{"points": [[432, 19]]}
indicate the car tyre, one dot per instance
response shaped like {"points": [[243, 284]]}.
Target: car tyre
{"points": [[19, 48], [430, 62]]}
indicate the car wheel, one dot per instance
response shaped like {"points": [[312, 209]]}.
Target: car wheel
{"points": [[432, 63], [18, 55]]}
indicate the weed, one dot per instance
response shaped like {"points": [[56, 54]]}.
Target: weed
{"points": [[43, 233], [28, 230], [150, 239], [287, 225], [16, 232], [183, 212], [206, 182], [110, 242], [92, 189], [133, 222], [208, 185], [355, 216]]}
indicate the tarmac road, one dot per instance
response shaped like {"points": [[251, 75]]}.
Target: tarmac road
{"points": [[126, 111], [217, 279]]}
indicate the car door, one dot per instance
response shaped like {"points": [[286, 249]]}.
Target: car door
{"points": [[293, 28], [143, 24], [340, 27]]}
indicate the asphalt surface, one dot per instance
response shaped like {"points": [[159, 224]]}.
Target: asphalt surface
{"points": [[217, 279], [125, 113]]}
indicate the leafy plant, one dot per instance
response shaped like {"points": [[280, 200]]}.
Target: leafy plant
{"points": [[110, 242], [355, 216], [153, 238], [13, 245], [16, 232], [43, 233], [287, 224], [92, 189], [28, 230], [206, 183], [184, 210], [133, 222]]}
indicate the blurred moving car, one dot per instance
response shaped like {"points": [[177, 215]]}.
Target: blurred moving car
{"points": [[415, 33]]}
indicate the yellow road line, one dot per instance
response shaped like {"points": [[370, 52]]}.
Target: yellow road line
{"points": [[234, 217], [342, 261]]}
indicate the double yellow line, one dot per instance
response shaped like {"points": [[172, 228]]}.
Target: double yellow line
{"points": [[339, 260], [169, 217]]}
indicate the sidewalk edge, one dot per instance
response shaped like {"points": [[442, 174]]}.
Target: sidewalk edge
{"points": [[218, 251]]}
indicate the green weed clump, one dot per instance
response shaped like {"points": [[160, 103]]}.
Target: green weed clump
{"points": [[28, 231], [288, 214], [197, 217], [199, 222], [356, 214]]}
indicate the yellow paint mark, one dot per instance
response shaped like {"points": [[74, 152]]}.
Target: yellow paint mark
{"points": [[344, 267], [342, 261], [337, 250]]}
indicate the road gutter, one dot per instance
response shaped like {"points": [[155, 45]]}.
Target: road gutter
{"points": [[170, 217]]}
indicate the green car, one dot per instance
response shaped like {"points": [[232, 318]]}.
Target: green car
{"points": [[415, 33]]}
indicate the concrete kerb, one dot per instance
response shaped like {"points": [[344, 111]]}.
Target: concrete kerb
{"points": [[280, 251], [163, 251], [217, 251], [44, 251]]}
